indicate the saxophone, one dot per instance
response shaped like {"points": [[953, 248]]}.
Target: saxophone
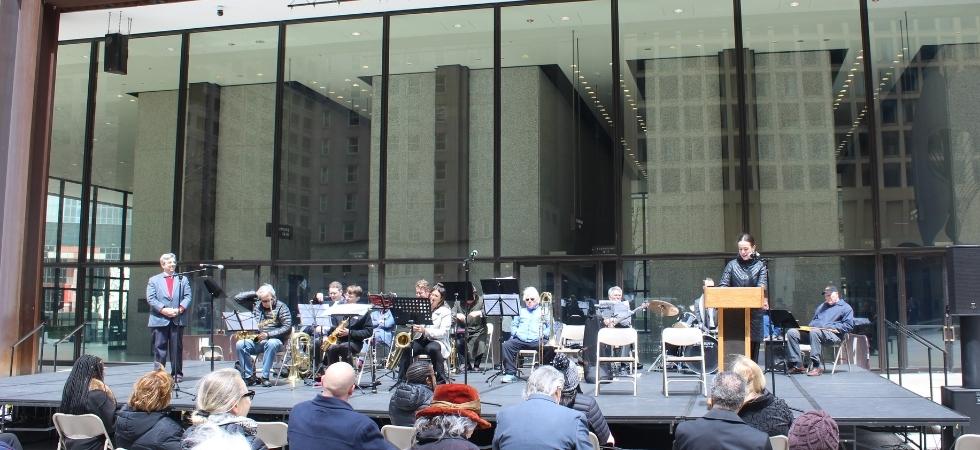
{"points": [[332, 339], [253, 335]]}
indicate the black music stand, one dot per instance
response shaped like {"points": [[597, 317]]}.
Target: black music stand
{"points": [[783, 319], [460, 291], [410, 311], [215, 291], [500, 299]]}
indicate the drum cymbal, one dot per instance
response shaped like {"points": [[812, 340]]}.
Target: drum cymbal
{"points": [[663, 308]]}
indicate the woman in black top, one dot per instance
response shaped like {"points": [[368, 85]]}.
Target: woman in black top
{"points": [[86, 393], [748, 270]]}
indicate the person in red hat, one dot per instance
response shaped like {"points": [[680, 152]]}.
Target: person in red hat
{"points": [[450, 419]]}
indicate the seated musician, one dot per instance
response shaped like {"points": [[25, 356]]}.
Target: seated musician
{"points": [[350, 337], [619, 316], [431, 340], [525, 332], [384, 330], [275, 324], [832, 319], [473, 324]]}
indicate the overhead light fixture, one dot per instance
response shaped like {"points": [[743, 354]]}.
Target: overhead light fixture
{"points": [[678, 11], [457, 25], [794, 4], [356, 33], [565, 18]]}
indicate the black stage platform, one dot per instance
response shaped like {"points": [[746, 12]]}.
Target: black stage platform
{"points": [[854, 397]]}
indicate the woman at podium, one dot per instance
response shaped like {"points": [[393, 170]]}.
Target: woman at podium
{"points": [[748, 270]]}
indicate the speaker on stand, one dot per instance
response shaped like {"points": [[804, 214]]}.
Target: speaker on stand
{"points": [[963, 287]]}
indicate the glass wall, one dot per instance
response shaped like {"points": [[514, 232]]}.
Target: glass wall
{"points": [[331, 90], [612, 171]]}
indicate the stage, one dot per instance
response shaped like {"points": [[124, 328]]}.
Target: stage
{"points": [[853, 396]]}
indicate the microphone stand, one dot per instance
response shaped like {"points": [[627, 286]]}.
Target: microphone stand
{"points": [[466, 330]]}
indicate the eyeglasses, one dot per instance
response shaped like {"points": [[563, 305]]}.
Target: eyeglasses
{"points": [[250, 394], [530, 299]]}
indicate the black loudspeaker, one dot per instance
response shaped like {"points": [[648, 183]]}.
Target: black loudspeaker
{"points": [[963, 278], [116, 53]]}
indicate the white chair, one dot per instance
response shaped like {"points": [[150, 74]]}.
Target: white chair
{"points": [[205, 350], [84, 426], [617, 337], [967, 442], [683, 337], [523, 355], [779, 442], [272, 433], [844, 350], [491, 346], [594, 440], [571, 334], [401, 437]]}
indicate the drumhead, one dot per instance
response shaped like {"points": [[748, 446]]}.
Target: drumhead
{"points": [[710, 355]]}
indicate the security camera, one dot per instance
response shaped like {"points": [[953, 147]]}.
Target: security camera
{"points": [[221, 10]]}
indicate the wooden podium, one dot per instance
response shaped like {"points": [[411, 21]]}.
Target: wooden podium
{"points": [[734, 334]]}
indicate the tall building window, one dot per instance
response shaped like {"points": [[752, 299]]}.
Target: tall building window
{"points": [[440, 170], [439, 200], [348, 231], [324, 175], [323, 203], [350, 202], [325, 148], [353, 118], [352, 173], [352, 145], [323, 232]]}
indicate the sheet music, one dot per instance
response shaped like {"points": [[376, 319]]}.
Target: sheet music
{"points": [[501, 305], [350, 309], [314, 314]]}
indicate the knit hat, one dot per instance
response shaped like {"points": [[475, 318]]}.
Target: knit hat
{"points": [[418, 372], [564, 365], [814, 430], [455, 399]]}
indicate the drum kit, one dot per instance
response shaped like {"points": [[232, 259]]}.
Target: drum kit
{"points": [[689, 319]]}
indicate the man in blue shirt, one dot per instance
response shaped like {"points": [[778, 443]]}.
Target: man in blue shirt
{"points": [[832, 319], [525, 331]]}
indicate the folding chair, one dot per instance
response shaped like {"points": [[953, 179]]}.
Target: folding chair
{"points": [[683, 337], [522, 356], [616, 337], [844, 349], [272, 433], [967, 442], [570, 334], [594, 440], [205, 350], [401, 437], [84, 426], [779, 442]]}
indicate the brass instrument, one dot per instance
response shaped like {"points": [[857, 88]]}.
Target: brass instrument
{"points": [[402, 341], [299, 357], [334, 337], [253, 335], [546, 315]]}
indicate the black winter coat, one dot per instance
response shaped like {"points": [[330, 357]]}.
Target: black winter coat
{"points": [[430, 441], [593, 415], [767, 413], [100, 403], [137, 430], [407, 399]]}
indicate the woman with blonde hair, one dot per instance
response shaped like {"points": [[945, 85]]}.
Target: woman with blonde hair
{"points": [[85, 392], [223, 400], [144, 423], [761, 409]]}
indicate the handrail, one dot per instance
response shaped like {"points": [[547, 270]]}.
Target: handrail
{"points": [[908, 332], [21, 341], [54, 364]]}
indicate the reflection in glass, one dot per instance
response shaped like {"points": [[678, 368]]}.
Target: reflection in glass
{"points": [[440, 135], [926, 74], [557, 129], [679, 103], [106, 311], [227, 192], [806, 120], [331, 88], [67, 148]]}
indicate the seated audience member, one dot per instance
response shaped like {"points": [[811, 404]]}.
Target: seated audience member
{"points": [[208, 436], [223, 401], [539, 422], [762, 410], [573, 397], [450, 420], [328, 421], [414, 394], [9, 441], [721, 427], [814, 430], [86, 393], [144, 423], [831, 320]]}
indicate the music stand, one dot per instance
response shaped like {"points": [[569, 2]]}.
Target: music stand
{"points": [[784, 320], [409, 311], [215, 291], [500, 299], [460, 291], [381, 303]]}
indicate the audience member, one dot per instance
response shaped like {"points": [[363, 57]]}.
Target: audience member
{"points": [[86, 393], [9, 441], [450, 420], [414, 394], [721, 427], [328, 421], [814, 430], [540, 422], [762, 410], [209, 436], [144, 423], [573, 397], [223, 400]]}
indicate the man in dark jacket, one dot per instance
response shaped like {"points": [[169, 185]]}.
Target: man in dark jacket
{"points": [[413, 395], [572, 397], [275, 325], [721, 428], [328, 421], [351, 337], [832, 319]]}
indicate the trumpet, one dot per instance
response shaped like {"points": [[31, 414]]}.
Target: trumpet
{"points": [[334, 337], [402, 341]]}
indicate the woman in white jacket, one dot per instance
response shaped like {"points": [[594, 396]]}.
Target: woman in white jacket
{"points": [[432, 340]]}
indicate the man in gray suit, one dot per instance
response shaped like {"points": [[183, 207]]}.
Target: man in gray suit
{"points": [[540, 422], [169, 296]]}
